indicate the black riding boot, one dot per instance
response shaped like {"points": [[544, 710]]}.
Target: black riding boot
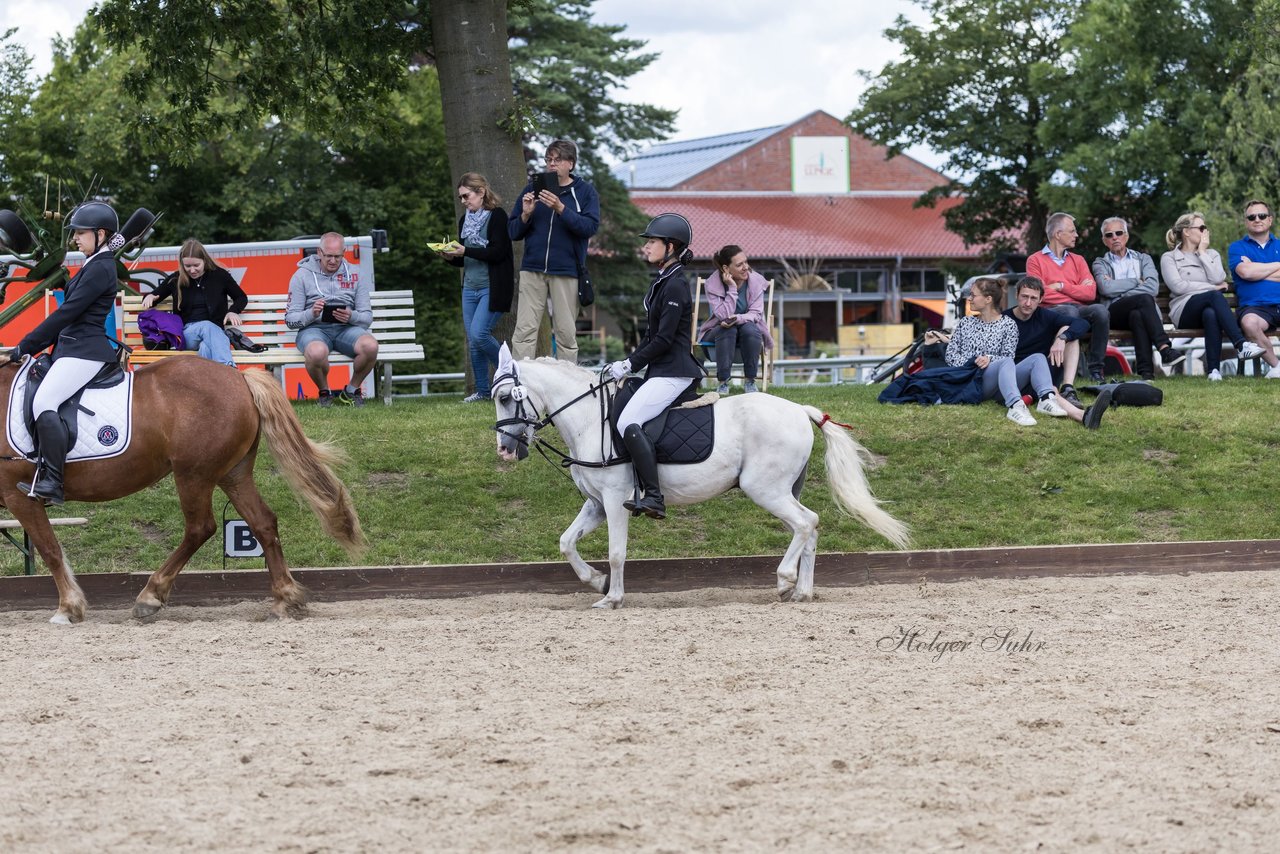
{"points": [[52, 436], [645, 460]]}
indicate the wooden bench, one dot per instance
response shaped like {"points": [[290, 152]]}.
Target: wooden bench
{"points": [[28, 559], [263, 322]]}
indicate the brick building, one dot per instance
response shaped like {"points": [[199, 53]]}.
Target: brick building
{"points": [[815, 198]]}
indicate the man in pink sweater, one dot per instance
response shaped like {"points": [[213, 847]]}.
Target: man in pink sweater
{"points": [[1069, 288]]}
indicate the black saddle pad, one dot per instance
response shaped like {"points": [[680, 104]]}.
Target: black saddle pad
{"points": [[679, 435]]}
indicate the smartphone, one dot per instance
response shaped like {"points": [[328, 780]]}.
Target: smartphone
{"points": [[546, 181]]}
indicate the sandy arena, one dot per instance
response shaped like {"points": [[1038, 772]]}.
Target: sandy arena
{"points": [[1142, 714]]}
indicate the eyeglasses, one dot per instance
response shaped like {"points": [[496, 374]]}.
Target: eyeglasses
{"points": [[1257, 217], [1110, 234], [329, 257], [551, 158], [1197, 228]]}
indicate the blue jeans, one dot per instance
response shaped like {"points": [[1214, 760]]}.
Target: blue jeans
{"points": [[479, 321], [208, 337], [1005, 378]]}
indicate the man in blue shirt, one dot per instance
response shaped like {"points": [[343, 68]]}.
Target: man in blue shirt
{"points": [[1255, 262], [1052, 334]]}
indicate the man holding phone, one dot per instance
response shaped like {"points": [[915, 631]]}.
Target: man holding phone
{"points": [[555, 216], [329, 305]]}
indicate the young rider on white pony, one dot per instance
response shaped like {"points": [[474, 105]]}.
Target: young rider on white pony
{"points": [[77, 330], [665, 351]]}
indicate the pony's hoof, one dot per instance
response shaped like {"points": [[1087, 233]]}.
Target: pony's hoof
{"points": [[608, 604], [800, 597], [142, 610], [60, 619], [785, 594], [599, 582]]}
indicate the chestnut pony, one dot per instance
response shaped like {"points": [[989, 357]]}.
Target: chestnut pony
{"points": [[202, 421]]}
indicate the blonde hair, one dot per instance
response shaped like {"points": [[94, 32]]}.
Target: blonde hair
{"points": [[477, 183], [1173, 237]]}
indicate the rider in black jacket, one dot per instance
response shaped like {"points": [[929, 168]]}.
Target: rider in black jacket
{"points": [[77, 331], [666, 351]]}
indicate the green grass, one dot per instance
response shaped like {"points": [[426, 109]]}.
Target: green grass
{"points": [[430, 489]]}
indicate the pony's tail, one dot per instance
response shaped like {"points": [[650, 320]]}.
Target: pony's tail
{"points": [[845, 458], [306, 465]]}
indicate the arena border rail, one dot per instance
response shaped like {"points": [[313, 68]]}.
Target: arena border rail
{"points": [[657, 575]]}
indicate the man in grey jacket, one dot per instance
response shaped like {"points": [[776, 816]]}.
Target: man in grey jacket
{"points": [[329, 305], [1127, 286]]}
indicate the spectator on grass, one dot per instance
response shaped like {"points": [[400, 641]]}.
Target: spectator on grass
{"points": [[1128, 283], [989, 341], [206, 297], [1195, 277], [735, 294], [1051, 334], [488, 274], [1069, 288], [329, 305], [1255, 262]]}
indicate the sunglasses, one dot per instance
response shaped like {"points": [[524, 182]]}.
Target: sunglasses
{"points": [[1110, 234], [1197, 228], [1256, 217]]}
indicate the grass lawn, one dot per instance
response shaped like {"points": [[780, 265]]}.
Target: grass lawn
{"points": [[430, 489]]}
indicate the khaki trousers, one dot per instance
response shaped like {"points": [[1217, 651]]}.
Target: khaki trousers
{"points": [[534, 290]]}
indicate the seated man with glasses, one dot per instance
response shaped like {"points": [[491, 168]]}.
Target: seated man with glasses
{"points": [[1128, 284], [330, 307], [1255, 262], [555, 225]]}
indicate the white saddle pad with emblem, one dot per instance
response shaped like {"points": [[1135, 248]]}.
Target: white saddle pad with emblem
{"points": [[101, 432]]}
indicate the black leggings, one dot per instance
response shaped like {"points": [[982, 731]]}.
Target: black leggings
{"points": [[1211, 311]]}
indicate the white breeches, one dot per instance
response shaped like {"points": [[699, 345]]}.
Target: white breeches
{"points": [[66, 376], [654, 395]]}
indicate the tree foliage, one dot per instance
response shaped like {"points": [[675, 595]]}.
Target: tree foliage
{"points": [[1099, 109]]}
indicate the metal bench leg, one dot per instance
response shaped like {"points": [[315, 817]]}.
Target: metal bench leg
{"points": [[386, 383], [28, 562]]}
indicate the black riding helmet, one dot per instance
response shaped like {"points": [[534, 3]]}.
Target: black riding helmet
{"points": [[672, 228], [91, 216]]}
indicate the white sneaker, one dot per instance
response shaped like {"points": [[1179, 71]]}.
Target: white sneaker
{"points": [[1019, 415], [1249, 350], [1215, 376], [1274, 373], [1049, 406]]}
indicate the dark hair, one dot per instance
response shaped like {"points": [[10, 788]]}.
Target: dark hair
{"points": [[1253, 202], [725, 255], [1031, 283], [477, 183], [564, 149]]}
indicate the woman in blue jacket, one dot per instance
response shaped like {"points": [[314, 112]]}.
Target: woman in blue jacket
{"points": [[665, 351]]}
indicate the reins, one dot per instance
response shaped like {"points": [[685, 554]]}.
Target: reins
{"points": [[545, 448]]}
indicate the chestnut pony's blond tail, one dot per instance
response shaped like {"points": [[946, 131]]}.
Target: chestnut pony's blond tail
{"points": [[307, 465]]}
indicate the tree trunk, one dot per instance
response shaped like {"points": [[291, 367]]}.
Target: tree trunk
{"points": [[476, 93]]}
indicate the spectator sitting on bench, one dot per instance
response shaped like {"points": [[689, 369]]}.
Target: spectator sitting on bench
{"points": [[1128, 283], [329, 305], [1255, 262], [1042, 330], [1069, 288], [735, 294], [207, 299], [1195, 277]]}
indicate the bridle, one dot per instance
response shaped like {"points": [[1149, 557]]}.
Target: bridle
{"points": [[524, 419]]}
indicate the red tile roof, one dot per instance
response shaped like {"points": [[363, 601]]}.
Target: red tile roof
{"points": [[781, 225]]}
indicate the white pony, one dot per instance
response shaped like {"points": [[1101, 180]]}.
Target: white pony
{"points": [[762, 446]]}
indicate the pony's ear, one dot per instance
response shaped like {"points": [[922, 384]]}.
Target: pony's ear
{"points": [[504, 359]]}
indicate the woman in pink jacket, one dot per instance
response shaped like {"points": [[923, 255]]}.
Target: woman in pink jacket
{"points": [[736, 296]]}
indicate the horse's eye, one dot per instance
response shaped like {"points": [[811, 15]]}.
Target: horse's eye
{"points": [[504, 399]]}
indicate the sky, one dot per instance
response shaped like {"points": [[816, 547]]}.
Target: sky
{"points": [[726, 65]]}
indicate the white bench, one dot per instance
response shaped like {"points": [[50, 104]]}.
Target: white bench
{"points": [[28, 559], [263, 322]]}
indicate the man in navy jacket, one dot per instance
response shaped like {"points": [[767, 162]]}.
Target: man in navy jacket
{"points": [[555, 226], [1045, 331]]}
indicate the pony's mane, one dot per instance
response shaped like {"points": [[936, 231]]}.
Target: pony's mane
{"points": [[559, 366]]}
